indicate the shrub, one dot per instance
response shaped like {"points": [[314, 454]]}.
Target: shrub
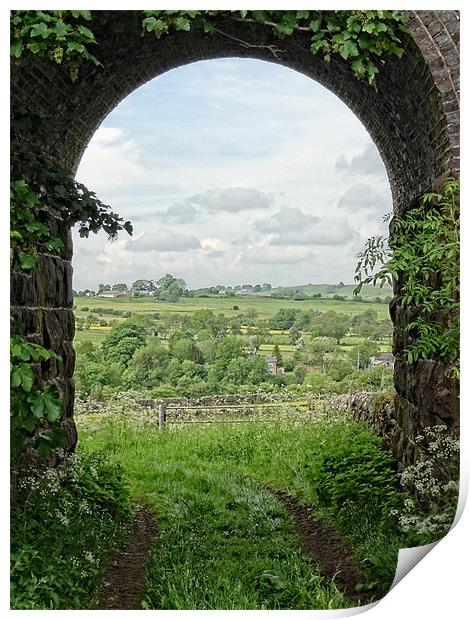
{"points": [[355, 471], [65, 522]]}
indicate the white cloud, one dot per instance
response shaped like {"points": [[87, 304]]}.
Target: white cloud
{"points": [[268, 255], [362, 197], [181, 213], [232, 200], [163, 241], [291, 226]]}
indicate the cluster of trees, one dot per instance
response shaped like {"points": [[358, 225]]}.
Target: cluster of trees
{"points": [[167, 288], [208, 353], [329, 324], [133, 357]]}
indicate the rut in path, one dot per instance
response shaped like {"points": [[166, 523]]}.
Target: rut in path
{"points": [[123, 582], [325, 547]]}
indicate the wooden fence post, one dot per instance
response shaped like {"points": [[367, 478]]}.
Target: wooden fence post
{"points": [[161, 416]]}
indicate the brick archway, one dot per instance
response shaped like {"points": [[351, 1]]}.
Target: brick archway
{"points": [[412, 117]]}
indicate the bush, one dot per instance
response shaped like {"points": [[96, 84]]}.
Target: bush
{"points": [[65, 522], [355, 471], [164, 391]]}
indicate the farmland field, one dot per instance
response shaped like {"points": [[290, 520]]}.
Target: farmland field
{"points": [[265, 306]]}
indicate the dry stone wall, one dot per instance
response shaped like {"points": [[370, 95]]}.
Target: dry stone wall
{"points": [[412, 117]]}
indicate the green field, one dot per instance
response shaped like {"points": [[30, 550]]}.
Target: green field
{"points": [[264, 306]]}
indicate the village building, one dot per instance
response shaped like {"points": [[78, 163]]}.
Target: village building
{"points": [[386, 360], [273, 368], [112, 294]]}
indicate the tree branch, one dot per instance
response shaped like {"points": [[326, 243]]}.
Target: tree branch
{"points": [[272, 48]]}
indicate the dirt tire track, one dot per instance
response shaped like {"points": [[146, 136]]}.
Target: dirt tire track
{"points": [[123, 583], [320, 542]]}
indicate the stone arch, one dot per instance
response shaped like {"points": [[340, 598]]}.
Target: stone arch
{"points": [[412, 117]]}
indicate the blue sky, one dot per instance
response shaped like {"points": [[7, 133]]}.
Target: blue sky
{"points": [[232, 171]]}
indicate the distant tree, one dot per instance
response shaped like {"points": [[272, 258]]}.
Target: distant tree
{"points": [[299, 373], [122, 342], [361, 353], [332, 325], [267, 286], [284, 318], [120, 286], [147, 366], [294, 334], [255, 343], [185, 349], [143, 285], [277, 353], [318, 352], [103, 287], [229, 348], [340, 367], [170, 288]]}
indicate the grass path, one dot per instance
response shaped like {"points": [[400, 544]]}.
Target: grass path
{"points": [[225, 541]]}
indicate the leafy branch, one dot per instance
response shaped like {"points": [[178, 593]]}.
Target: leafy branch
{"points": [[59, 35], [41, 191], [360, 37], [421, 257]]}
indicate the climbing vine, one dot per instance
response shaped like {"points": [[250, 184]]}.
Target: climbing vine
{"points": [[421, 257], [59, 35], [361, 38], [41, 192]]}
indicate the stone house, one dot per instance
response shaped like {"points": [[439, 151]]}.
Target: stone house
{"points": [[386, 360], [112, 294], [273, 368]]}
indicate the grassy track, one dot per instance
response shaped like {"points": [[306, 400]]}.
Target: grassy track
{"points": [[224, 541]]}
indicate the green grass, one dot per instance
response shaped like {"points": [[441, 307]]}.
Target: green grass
{"points": [[224, 541], [263, 305], [95, 335]]}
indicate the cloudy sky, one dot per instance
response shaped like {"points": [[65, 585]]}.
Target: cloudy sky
{"points": [[232, 171]]}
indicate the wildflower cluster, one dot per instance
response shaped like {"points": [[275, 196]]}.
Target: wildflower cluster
{"points": [[434, 481], [65, 522]]}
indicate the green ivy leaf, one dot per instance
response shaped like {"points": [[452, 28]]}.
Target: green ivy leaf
{"points": [[349, 48], [46, 404], [60, 30], [209, 28], [85, 14], [315, 24], [16, 49], [27, 261], [36, 47], [260, 16], [22, 375], [39, 30], [182, 23]]}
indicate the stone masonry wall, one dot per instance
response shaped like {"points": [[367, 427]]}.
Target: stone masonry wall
{"points": [[412, 117]]}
